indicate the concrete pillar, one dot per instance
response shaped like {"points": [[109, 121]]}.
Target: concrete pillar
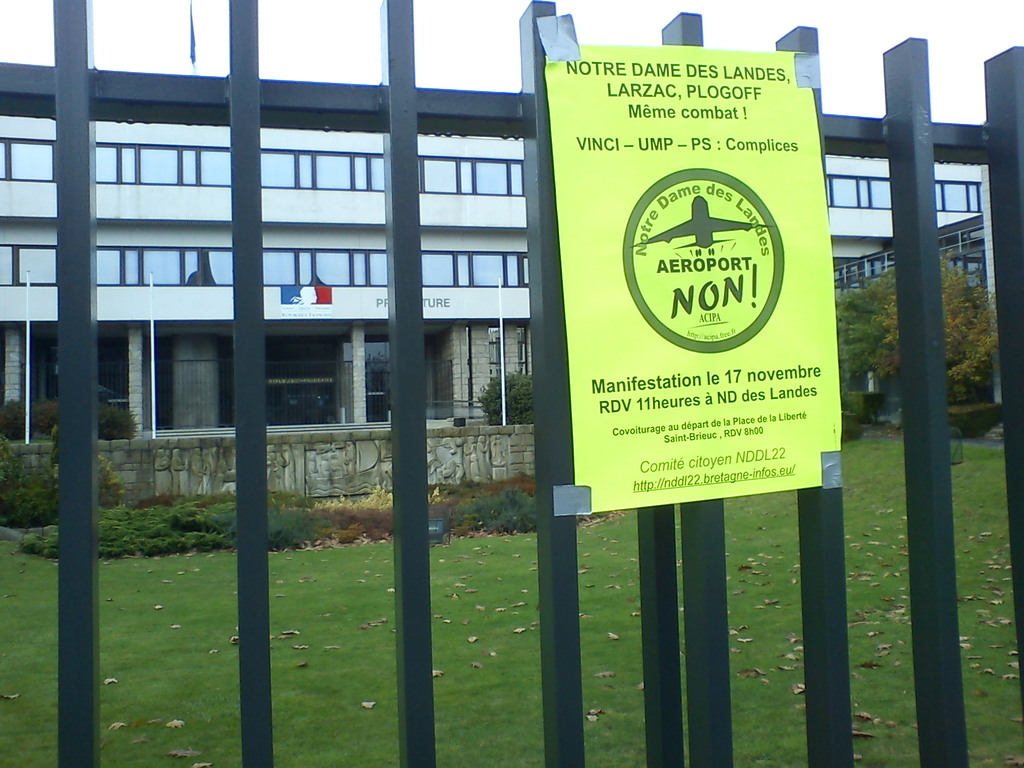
{"points": [[196, 381], [14, 365], [137, 365], [358, 373]]}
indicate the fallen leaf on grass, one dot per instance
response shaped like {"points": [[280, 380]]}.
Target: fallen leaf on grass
{"points": [[797, 688], [10, 696], [116, 726], [184, 753], [476, 665], [202, 765], [472, 639], [368, 704], [612, 636], [606, 673], [1014, 760], [518, 630], [437, 673], [593, 714], [862, 735], [755, 672], [175, 724]]}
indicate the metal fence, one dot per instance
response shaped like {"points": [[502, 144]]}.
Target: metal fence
{"points": [[77, 95]]}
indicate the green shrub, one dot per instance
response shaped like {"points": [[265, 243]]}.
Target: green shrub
{"points": [[518, 399], [10, 465], [289, 528], [126, 532], [852, 429], [346, 521], [31, 504], [44, 417], [25, 501], [116, 423], [111, 487], [975, 420], [511, 511], [866, 406], [41, 545], [12, 420]]}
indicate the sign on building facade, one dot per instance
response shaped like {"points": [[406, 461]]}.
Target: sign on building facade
{"points": [[697, 274]]}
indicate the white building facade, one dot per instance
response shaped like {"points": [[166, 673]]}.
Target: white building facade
{"points": [[164, 267]]}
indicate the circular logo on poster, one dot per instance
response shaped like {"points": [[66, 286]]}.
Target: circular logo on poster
{"points": [[703, 260]]}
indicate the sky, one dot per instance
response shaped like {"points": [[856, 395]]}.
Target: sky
{"points": [[474, 44]]}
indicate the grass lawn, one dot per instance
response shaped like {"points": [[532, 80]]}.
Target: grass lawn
{"points": [[167, 625]]}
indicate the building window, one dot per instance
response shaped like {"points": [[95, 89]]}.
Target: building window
{"points": [[333, 172], [127, 165], [31, 162], [278, 169], [6, 265], [440, 176], [522, 351], [494, 351], [490, 178], [108, 267], [470, 176], [163, 267], [158, 166], [221, 267], [279, 268], [333, 268], [214, 168], [205, 267], [438, 269], [487, 268], [958, 197], [106, 165], [378, 268]]}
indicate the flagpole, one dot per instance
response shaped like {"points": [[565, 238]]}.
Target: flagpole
{"points": [[28, 359], [192, 38], [152, 360], [501, 346]]}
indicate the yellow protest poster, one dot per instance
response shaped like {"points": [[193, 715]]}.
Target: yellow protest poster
{"points": [[697, 274]]}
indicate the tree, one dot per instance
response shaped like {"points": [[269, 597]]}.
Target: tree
{"points": [[518, 399], [869, 331]]}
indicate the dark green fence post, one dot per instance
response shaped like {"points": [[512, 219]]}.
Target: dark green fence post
{"points": [[659, 593], [556, 536], [706, 631], [659, 603], [78, 580], [938, 684], [823, 577], [256, 707], [1004, 90], [706, 612], [408, 389]]}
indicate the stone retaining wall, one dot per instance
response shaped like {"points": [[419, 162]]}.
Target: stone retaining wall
{"points": [[319, 464]]}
